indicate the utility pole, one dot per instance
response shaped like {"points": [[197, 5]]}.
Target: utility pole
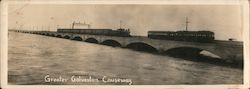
{"points": [[120, 24], [89, 26], [73, 25], [187, 23], [42, 28], [48, 28]]}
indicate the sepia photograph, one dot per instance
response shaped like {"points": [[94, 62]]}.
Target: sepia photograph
{"points": [[125, 44]]}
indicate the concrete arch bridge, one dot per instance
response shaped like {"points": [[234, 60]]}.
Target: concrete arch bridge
{"points": [[228, 50]]}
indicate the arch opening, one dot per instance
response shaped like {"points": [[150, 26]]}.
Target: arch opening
{"points": [[53, 35], [112, 43], [183, 52], [66, 37], [59, 36], [49, 34], [77, 38], [91, 40], [139, 46], [195, 54]]}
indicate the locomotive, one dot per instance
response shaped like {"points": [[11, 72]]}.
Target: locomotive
{"points": [[194, 36], [108, 32]]}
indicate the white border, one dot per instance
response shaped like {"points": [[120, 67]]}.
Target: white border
{"points": [[4, 42]]}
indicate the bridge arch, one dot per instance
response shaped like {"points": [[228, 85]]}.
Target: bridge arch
{"points": [[53, 35], [91, 40], [59, 36], [47, 34], [193, 53], [78, 38], [112, 43], [140, 46], [66, 37]]}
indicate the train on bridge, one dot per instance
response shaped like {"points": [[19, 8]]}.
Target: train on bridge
{"points": [[194, 36], [108, 32]]}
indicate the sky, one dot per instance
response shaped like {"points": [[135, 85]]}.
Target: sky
{"points": [[223, 20]]}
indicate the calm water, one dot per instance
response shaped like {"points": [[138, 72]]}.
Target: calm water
{"points": [[33, 57]]}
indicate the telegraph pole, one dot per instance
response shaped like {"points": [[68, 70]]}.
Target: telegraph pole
{"points": [[88, 26], [42, 28], [73, 25], [120, 24], [187, 23], [49, 28]]}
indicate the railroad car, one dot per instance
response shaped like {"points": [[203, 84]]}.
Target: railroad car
{"points": [[107, 32], [196, 36]]}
